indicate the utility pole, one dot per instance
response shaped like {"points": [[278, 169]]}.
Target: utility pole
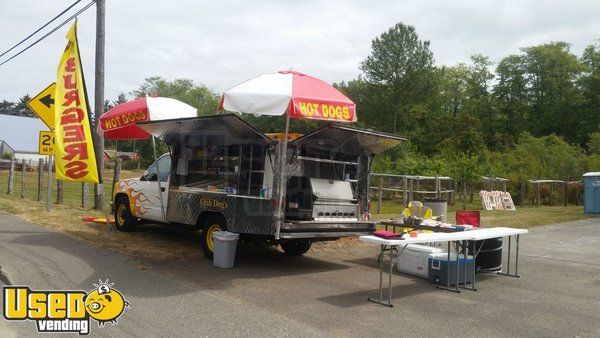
{"points": [[99, 102]]}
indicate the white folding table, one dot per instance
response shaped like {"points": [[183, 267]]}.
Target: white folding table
{"points": [[461, 236], [488, 233], [421, 238]]}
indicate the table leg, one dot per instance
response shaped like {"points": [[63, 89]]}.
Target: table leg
{"points": [[448, 268], [448, 275], [516, 274], [509, 252], [381, 274], [474, 265], [390, 278], [464, 245], [465, 257], [380, 300], [457, 266], [517, 259]]}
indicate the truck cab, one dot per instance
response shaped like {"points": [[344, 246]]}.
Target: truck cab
{"points": [[222, 174]]}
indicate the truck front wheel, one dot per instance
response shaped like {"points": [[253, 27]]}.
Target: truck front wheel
{"points": [[211, 225], [296, 247], [124, 220]]}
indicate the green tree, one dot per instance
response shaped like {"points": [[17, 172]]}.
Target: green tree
{"points": [[6, 107], [196, 95], [401, 66], [590, 88], [21, 108], [593, 144], [465, 169], [147, 151], [453, 92], [511, 94], [478, 92], [552, 71]]}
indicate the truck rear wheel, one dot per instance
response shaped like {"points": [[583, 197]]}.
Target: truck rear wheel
{"points": [[296, 247], [124, 220], [211, 225]]}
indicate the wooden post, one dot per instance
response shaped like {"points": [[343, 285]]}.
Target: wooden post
{"points": [[437, 186], [405, 191], [49, 184], [565, 194], [418, 185], [504, 186], [23, 168], [59, 191], [11, 176], [454, 186], [380, 195], [411, 184], [551, 190], [538, 194], [84, 195], [492, 179], [99, 100], [116, 175], [39, 180], [522, 203]]}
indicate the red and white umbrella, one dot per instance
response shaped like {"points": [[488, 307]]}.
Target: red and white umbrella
{"points": [[301, 95], [119, 123]]}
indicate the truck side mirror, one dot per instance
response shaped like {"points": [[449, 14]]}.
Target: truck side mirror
{"points": [[144, 176]]}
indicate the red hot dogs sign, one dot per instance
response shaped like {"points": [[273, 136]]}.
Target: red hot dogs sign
{"points": [[323, 111], [123, 120]]}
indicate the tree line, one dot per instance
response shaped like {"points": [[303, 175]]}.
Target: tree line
{"points": [[533, 114]]}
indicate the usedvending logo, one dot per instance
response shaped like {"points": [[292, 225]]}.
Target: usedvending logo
{"points": [[64, 311]]}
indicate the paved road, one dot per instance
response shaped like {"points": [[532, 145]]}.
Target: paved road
{"points": [[321, 294]]}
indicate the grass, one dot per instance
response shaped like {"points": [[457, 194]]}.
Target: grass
{"points": [[524, 217], [72, 190], [151, 241], [169, 243]]}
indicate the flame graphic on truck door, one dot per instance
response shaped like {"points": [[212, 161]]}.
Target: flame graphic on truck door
{"points": [[139, 203]]}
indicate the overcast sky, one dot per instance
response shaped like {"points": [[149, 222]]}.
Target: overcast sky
{"points": [[221, 43]]}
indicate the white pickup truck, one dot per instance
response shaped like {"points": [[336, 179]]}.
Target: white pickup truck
{"points": [[221, 174]]}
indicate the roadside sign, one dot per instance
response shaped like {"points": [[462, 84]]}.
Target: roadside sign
{"points": [[46, 143], [43, 105]]}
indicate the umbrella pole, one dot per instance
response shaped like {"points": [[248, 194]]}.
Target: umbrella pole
{"points": [[160, 196], [282, 175]]}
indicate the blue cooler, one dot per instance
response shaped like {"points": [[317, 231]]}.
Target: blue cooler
{"points": [[439, 269]]}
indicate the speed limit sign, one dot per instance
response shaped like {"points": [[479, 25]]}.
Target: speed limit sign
{"points": [[46, 145]]}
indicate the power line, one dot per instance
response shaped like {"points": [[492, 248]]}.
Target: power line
{"points": [[50, 32], [39, 29]]}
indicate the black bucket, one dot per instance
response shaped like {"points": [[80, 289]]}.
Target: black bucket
{"points": [[489, 257]]}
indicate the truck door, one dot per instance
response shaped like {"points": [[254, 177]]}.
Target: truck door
{"points": [[151, 187]]}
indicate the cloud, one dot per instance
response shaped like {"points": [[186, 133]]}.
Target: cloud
{"points": [[221, 43]]}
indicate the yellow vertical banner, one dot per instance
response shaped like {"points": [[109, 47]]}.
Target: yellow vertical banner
{"points": [[74, 146]]}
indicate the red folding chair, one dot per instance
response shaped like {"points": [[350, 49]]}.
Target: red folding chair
{"points": [[470, 217]]}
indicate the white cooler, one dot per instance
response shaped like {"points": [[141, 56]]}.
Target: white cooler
{"points": [[414, 259]]}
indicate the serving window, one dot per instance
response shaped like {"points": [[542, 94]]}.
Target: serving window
{"points": [[232, 169]]}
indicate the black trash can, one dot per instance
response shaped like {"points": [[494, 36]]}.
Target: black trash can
{"points": [[489, 257]]}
